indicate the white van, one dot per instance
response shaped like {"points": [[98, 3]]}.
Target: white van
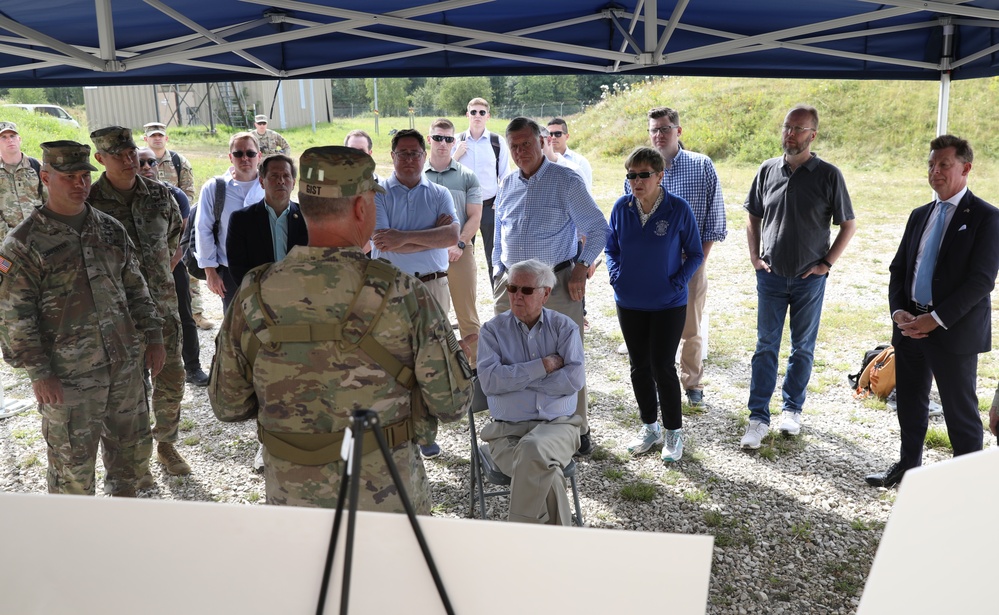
{"points": [[54, 110]]}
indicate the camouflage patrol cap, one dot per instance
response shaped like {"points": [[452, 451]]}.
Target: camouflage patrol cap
{"points": [[8, 126], [67, 156], [257, 119], [154, 128], [334, 171], [112, 139]]}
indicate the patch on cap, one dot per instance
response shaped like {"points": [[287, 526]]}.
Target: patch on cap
{"points": [[257, 119], [335, 171], [8, 126], [67, 156], [112, 139], [154, 128]]}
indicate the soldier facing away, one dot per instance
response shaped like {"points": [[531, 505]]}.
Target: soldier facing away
{"points": [[74, 312], [377, 340]]}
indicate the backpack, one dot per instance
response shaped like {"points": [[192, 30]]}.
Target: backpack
{"points": [[175, 158], [494, 141], [187, 239], [878, 376], [38, 172]]}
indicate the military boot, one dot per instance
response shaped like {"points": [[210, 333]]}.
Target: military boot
{"points": [[171, 459], [124, 492]]}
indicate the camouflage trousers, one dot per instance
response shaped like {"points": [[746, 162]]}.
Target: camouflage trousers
{"points": [[168, 385], [106, 406], [291, 484]]}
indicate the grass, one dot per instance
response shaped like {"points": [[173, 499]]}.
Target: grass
{"points": [[697, 496], [191, 440], [802, 531], [936, 437], [638, 492], [614, 473]]}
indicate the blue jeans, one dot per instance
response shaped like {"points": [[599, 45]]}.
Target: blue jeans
{"points": [[776, 295]]}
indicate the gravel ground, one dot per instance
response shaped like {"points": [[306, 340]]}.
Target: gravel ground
{"points": [[795, 526]]}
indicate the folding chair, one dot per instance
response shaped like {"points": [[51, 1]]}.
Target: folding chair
{"points": [[485, 470]]}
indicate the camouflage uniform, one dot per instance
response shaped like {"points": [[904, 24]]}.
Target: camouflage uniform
{"points": [[19, 189], [153, 223], [272, 143], [314, 387], [166, 172], [73, 305]]}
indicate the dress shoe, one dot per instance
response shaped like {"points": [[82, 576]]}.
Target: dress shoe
{"points": [[585, 444], [889, 478], [197, 377]]}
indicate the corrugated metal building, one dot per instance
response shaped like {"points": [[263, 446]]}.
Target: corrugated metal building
{"points": [[298, 102]]}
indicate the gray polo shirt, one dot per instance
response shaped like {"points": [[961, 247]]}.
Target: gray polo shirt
{"points": [[797, 209], [461, 182]]}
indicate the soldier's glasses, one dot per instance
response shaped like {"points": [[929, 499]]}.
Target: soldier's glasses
{"points": [[643, 175], [440, 138], [147, 163], [479, 111], [240, 153], [524, 290]]}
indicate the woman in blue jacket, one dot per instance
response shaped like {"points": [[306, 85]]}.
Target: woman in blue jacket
{"points": [[653, 249]]}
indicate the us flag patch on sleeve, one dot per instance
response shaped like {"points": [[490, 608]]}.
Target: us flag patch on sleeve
{"points": [[5, 264]]}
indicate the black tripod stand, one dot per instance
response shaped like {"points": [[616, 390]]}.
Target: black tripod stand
{"points": [[367, 419]]}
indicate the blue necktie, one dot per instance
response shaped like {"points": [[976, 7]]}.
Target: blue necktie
{"points": [[923, 292]]}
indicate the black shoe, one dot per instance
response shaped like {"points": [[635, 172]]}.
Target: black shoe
{"points": [[197, 377], [585, 444], [889, 478]]}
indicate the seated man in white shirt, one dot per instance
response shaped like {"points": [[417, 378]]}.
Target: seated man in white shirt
{"points": [[531, 368]]}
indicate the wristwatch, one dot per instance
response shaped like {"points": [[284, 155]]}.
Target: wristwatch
{"points": [[583, 263], [461, 245]]}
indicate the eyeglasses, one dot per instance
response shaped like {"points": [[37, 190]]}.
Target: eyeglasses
{"points": [[663, 130], [557, 134], [407, 155], [147, 163], [786, 128], [642, 175], [479, 111], [240, 153], [440, 138], [524, 290]]}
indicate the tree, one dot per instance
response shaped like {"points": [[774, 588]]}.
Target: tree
{"points": [[453, 94], [26, 96], [349, 92], [538, 89], [393, 96], [69, 97]]}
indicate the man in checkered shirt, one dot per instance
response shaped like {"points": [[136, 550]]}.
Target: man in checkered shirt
{"points": [[692, 177], [540, 211]]}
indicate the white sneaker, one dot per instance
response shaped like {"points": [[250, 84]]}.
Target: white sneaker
{"points": [[673, 447], [790, 423], [258, 459], [623, 348], [647, 438], [755, 433]]}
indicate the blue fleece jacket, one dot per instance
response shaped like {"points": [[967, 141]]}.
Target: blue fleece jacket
{"points": [[646, 266]]}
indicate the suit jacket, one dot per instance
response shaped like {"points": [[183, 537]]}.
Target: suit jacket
{"points": [[964, 275], [249, 243]]}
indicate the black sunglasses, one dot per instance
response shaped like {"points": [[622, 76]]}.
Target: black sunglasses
{"points": [[440, 138], [147, 163], [479, 111], [524, 290], [557, 134], [240, 153], [643, 175]]}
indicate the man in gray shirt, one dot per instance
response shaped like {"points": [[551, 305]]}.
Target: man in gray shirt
{"points": [[791, 203]]}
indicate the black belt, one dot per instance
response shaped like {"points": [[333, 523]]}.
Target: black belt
{"points": [[489, 202], [431, 276], [563, 265], [919, 308]]}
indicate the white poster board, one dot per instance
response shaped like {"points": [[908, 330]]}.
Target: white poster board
{"points": [[938, 551], [82, 555]]}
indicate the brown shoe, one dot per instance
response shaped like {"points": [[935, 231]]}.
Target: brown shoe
{"points": [[169, 457], [124, 492], [146, 481], [202, 322]]}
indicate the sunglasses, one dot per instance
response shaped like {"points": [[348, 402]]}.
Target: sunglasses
{"points": [[524, 290], [240, 153], [147, 163], [557, 134], [440, 138], [642, 175], [479, 111]]}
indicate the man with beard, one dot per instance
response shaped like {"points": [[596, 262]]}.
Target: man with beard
{"points": [[790, 204]]}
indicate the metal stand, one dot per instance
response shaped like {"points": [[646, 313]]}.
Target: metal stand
{"points": [[12, 407], [368, 419]]}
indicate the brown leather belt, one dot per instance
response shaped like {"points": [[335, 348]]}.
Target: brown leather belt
{"points": [[431, 276], [562, 265]]}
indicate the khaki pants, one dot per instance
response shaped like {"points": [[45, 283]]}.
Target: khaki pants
{"points": [[691, 364], [532, 454], [438, 290], [560, 302], [461, 283]]}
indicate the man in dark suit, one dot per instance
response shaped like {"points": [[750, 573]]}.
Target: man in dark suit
{"points": [[938, 293], [265, 231]]}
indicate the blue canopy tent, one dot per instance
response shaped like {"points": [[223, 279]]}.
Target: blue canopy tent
{"points": [[91, 42]]}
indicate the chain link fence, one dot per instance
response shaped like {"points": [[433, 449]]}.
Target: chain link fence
{"points": [[542, 112]]}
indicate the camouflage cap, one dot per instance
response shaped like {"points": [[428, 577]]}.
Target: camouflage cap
{"points": [[257, 119], [334, 171], [8, 126], [112, 139], [154, 128], [67, 156]]}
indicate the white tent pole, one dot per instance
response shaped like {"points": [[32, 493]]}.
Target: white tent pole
{"points": [[943, 103]]}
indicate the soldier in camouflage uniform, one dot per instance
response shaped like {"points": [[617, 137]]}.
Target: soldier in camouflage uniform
{"points": [[151, 216], [270, 141], [303, 390], [74, 313], [21, 189]]}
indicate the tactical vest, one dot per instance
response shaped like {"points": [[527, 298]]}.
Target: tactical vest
{"points": [[355, 330]]}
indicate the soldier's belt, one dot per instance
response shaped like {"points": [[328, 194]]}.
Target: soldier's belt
{"points": [[316, 449]]}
